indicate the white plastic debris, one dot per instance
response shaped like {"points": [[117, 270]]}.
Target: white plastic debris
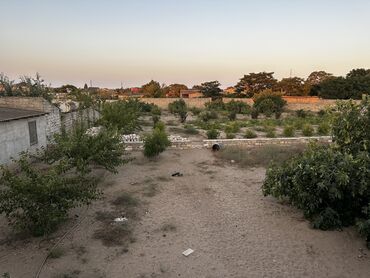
{"points": [[187, 252], [120, 219]]}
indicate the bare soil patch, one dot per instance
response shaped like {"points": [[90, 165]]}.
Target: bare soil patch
{"points": [[215, 208]]}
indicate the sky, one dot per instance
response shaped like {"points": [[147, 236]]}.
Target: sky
{"points": [[178, 41]]}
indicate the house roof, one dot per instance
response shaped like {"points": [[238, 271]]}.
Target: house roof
{"points": [[10, 114]]}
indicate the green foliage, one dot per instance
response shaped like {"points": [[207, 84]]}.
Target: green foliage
{"points": [[291, 86], [351, 126], [37, 200], [155, 119], [230, 135], [254, 83], [190, 129], [250, 134], [301, 113], [307, 130], [238, 107], [232, 116], [121, 115], [160, 125], [289, 131], [206, 116], [152, 89], [331, 184], [80, 150], [216, 105], [195, 110], [270, 132], [180, 108], [254, 113], [268, 102], [232, 127], [213, 134], [156, 143], [210, 89], [323, 128]]}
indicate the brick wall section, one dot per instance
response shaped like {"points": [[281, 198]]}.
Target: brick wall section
{"points": [[293, 103], [190, 102]]}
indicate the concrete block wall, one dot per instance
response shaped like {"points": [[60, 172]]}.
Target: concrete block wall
{"points": [[15, 138], [88, 115], [190, 102]]}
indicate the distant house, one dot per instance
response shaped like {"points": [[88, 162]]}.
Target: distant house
{"points": [[192, 93]]}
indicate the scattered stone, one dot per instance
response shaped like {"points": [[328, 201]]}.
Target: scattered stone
{"points": [[187, 252]]}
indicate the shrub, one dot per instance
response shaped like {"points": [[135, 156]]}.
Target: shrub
{"points": [[195, 110], [238, 107], [205, 116], [232, 127], [156, 143], [156, 110], [121, 115], [232, 116], [301, 113], [217, 104], [37, 200], [331, 184], [307, 130], [230, 135], [155, 119], [80, 150], [278, 114], [270, 132], [250, 134], [254, 113], [288, 131], [190, 129], [213, 134], [323, 128], [179, 108], [160, 125], [268, 102]]}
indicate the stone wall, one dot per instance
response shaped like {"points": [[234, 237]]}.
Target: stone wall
{"points": [[190, 102], [15, 137], [293, 102]]}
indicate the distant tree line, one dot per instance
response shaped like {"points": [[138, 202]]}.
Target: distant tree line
{"points": [[318, 83]]}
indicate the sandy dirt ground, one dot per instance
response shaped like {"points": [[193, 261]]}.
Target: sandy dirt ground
{"points": [[215, 208]]}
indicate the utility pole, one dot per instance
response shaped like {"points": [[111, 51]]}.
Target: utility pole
{"points": [[291, 73]]}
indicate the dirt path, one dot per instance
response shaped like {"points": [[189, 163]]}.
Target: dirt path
{"points": [[216, 209]]}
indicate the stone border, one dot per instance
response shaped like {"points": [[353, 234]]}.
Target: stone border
{"points": [[207, 143]]}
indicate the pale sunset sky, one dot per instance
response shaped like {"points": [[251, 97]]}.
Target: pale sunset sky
{"points": [[192, 41]]}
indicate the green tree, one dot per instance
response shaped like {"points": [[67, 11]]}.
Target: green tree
{"points": [[179, 108], [358, 73], [156, 143], [37, 201], [268, 102], [173, 90], [121, 115], [152, 89], [292, 86], [210, 89], [253, 83], [313, 80]]}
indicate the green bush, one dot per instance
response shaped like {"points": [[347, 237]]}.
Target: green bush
{"points": [[213, 134], [195, 110], [205, 116], [121, 115], [232, 127], [36, 200], [331, 184], [250, 134], [301, 113], [155, 119], [238, 107], [160, 125], [307, 130], [232, 116], [190, 129], [179, 108], [156, 143], [270, 132], [323, 128], [254, 113], [268, 102], [215, 105], [80, 150], [288, 131], [230, 135]]}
